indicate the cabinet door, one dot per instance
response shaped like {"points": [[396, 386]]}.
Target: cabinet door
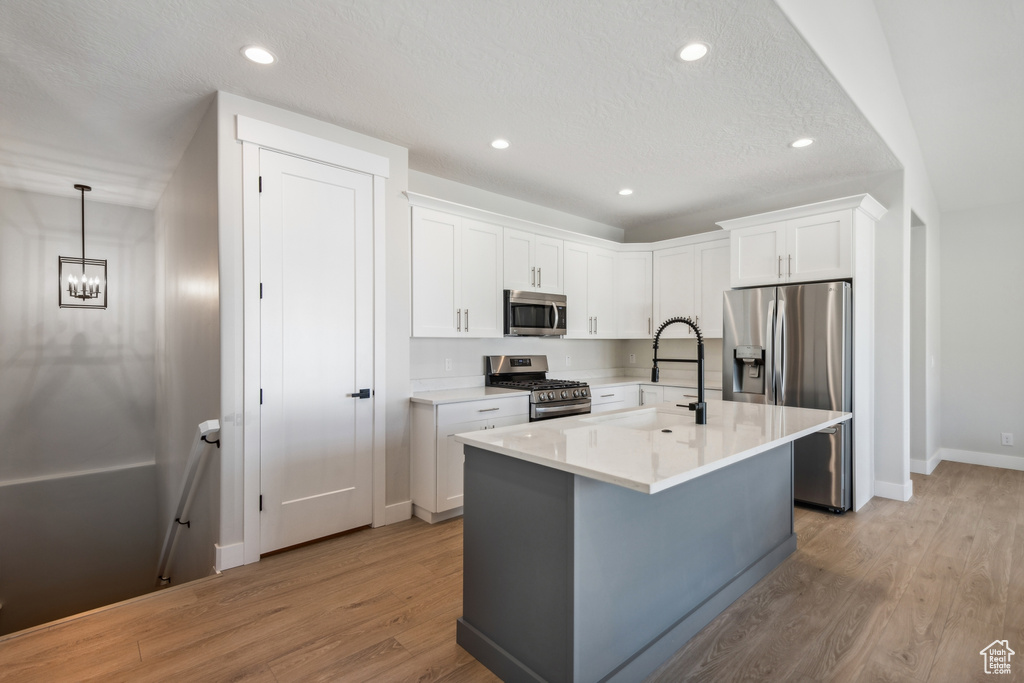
{"points": [[481, 297], [548, 260], [651, 394], [435, 283], [450, 458], [633, 293], [819, 247], [578, 320], [757, 254], [601, 293], [520, 273], [712, 279], [673, 289]]}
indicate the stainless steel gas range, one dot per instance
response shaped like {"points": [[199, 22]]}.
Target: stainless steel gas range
{"points": [[549, 398]]}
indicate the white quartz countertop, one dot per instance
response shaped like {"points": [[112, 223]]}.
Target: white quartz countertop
{"points": [[465, 394], [653, 448]]}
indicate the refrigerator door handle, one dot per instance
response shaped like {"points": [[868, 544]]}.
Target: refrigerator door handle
{"points": [[769, 356], [780, 352]]}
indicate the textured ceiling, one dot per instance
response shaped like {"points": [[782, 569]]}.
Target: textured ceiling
{"points": [[960, 64], [588, 91]]}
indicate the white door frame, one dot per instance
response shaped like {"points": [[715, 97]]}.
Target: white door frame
{"points": [[255, 135]]}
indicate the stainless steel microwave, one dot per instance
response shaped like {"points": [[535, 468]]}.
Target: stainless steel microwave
{"points": [[534, 314]]}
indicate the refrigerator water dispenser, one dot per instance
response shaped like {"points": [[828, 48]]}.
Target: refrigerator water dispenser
{"points": [[748, 375]]}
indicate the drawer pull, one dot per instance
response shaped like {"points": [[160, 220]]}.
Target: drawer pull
{"points": [[607, 395], [487, 410]]}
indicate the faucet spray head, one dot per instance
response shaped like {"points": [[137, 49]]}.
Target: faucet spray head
{"points": [[654, 374]]}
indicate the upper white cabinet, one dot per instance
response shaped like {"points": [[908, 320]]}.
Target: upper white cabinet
{"points": [[532, 262], [633, 291], [690, 281], [711, 279], [590, 292], [803, 244], [456, 276]]}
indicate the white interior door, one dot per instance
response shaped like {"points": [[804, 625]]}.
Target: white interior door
{"points": [[316, 319]]}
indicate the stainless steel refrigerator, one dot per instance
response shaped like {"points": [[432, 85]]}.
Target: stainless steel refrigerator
{"points": [[793, 345]]}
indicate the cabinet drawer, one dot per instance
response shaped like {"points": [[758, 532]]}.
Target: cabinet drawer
{"points": [[614, 395], [487, 409]]}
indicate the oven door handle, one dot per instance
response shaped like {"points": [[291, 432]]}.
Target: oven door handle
{"points": [[572, 409]]}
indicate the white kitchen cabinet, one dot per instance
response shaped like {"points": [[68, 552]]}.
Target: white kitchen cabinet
{"points": [[673, 289], [804, 249], [532, 262], [437, 458], [605, 399], [590, 292], [456, 276], [690, 281], [634, 295], [711, 280], [657, 393]]}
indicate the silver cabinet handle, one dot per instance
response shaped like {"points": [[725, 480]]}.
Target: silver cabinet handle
{"points": [[595, 324], [487, 410], [590, 325], [789, 271], [780, 265], [533, 277], [458, 324], [648, 326], [607, 395], [467, 320], [539, 279]]}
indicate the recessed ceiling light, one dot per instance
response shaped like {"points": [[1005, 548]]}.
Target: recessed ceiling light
{"points": [[802, 142], [625, 192], [693, 52], [500, 144], [260, 55]]}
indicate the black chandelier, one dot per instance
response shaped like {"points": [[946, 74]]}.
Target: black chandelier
{"points": [[85, 285]]}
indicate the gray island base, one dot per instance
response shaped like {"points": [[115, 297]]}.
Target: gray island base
{"points": [[567, 578]]}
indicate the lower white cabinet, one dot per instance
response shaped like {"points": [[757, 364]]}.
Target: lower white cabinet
{"points": [[658, 393], [613, 398], [437, 458]]}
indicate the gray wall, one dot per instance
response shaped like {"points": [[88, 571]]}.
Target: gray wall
{"points": [[982, 321], [188, 346], [76, 410]]}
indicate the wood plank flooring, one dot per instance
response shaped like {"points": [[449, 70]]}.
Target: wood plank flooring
{"points": [[896, 592]]}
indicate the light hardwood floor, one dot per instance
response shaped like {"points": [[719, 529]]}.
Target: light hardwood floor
{"points": [[896, 592]]}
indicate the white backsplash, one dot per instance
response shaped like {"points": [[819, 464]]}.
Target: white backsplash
{"points": [[588, 359]]}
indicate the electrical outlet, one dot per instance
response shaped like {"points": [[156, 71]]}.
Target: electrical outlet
{"points": [[632, 358], [447, 364], [568, 361], [1007, 438]]}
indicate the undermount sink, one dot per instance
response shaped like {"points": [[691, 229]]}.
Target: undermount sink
{"points": [[644, 420]]}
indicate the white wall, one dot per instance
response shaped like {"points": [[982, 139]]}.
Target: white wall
{"points": [[229, 183], [442, 188], [188, 345], [76, 411], [982, 324]]}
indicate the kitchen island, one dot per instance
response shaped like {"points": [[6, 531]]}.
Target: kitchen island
{"points": [[596, 546]]}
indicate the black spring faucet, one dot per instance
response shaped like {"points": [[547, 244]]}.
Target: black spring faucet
{"points": [[700, 406]]}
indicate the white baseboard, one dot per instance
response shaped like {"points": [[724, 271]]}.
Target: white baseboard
{"points": [[928, 466], [885, 489], [435, 517], [1007, 462], [229, 556], [398, 512]]}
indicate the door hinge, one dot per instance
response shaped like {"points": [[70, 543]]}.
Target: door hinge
{"points": [[261, 396], [261, 183], [261, 502]]}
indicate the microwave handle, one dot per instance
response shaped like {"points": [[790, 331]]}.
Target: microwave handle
{"points": [[554, 314]]}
